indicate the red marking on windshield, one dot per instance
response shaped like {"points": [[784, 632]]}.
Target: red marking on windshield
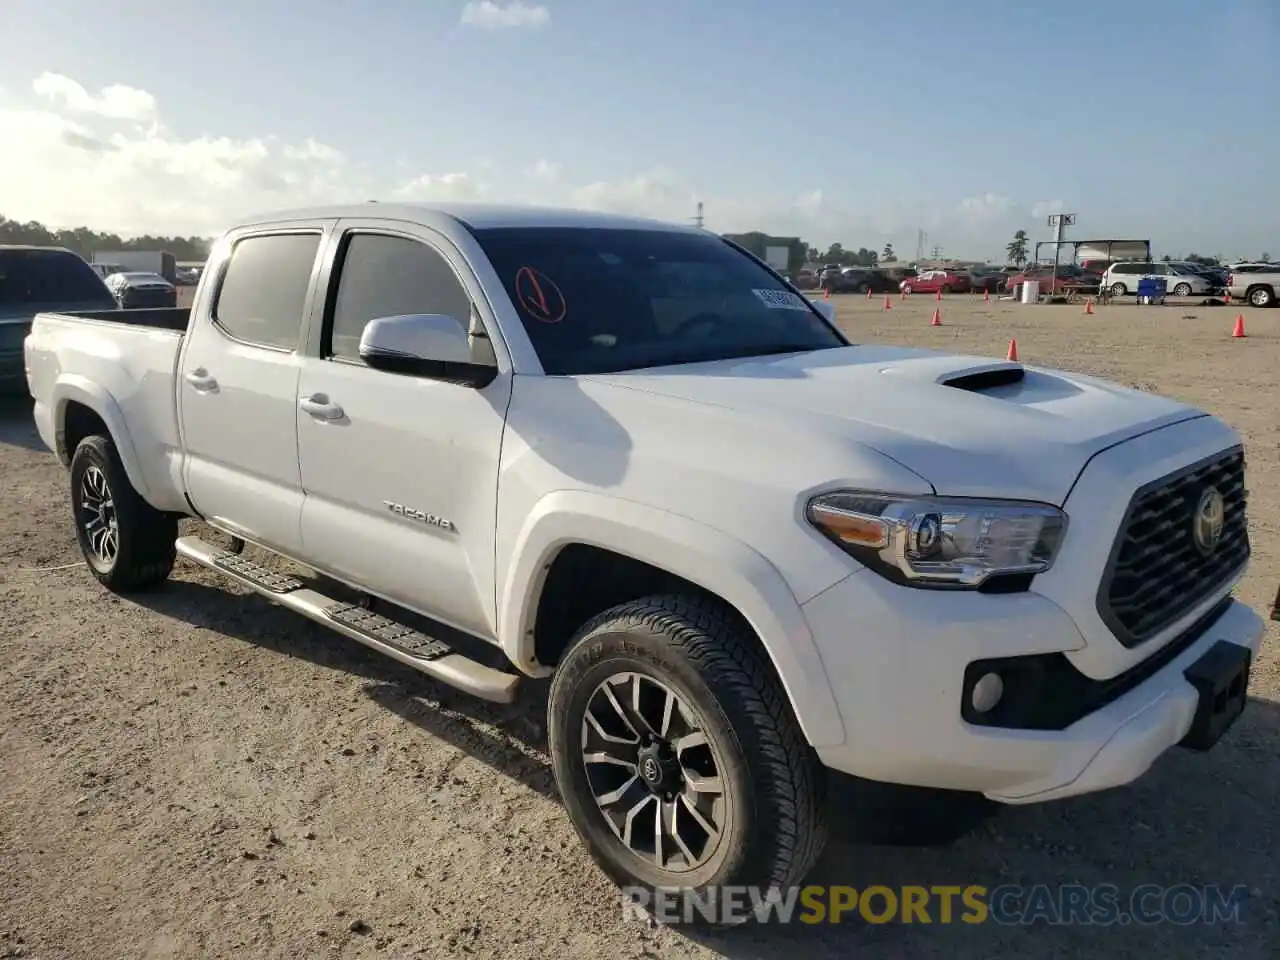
{"points": [[539, 295]]}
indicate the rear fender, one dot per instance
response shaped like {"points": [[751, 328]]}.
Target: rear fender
{"points": [[700, 554], [71, 388]]}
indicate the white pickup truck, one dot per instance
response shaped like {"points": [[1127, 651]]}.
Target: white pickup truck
{"points": [[630, 456]]}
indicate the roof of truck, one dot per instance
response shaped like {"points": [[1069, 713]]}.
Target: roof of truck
{"points": [[480, 216]]}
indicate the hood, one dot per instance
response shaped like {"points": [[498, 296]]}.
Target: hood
{"points": [[970, 426]]}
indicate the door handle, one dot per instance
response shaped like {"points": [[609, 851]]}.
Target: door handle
{"points": [[321, 407], [200, 379]]}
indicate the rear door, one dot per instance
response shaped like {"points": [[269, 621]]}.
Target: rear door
{"points": [[401, 472], [238, 386]]}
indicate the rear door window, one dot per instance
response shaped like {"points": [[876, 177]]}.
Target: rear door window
{"points": [[46, 278], [264, 290]]}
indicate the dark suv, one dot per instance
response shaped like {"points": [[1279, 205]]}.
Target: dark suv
{"points": [[39, 280]]}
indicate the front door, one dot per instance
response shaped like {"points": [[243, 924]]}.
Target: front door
{"points": [[400, 473], [238, 387]]}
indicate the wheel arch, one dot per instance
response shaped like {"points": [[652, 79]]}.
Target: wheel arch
{"points": [[676, 549], [81, 407]]}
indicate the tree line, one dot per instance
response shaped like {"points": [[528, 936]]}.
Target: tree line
{"points": [[86, 242]]}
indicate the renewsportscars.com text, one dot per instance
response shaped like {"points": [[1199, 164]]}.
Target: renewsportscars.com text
{"points": [[1013, 905]]}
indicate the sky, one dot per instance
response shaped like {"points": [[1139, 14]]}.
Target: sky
{"points": [[858, 123]]}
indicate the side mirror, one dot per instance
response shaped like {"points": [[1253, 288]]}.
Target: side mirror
{"points": [[427, 345], [825, 308]]}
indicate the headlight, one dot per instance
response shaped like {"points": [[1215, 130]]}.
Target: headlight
{"points": [[938, 541]]}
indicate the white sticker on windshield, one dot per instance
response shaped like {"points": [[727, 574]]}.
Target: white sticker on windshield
{"points": [[781, 300]]}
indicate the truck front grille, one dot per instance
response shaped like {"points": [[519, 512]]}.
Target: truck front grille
{"points": [[1157, 573]]}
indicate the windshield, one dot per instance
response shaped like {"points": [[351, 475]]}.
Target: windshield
{"points": [[602, 300], [48, 277]]}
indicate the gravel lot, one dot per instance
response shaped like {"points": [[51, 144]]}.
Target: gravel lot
{"points": [[200, 774]]}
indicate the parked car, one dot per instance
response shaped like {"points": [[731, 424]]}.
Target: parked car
{"points": [[859, 280], [135, 289], [750, 555], [1067, 277], [1180, 281], [104, 270], [806, 279], [986, 279], [936, 281], [1259, 288], [35, 279]]}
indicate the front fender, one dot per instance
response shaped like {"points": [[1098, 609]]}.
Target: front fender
{"points": [[700, 554], [70, 388]]}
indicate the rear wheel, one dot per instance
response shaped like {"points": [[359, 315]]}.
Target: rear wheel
{"points": [[1261, 297], [678, 757], [1182, 290], [1119, 289], [127, 543]]}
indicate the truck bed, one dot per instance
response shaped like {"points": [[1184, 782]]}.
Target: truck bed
{"points": [[130, 356], [161, 318]]}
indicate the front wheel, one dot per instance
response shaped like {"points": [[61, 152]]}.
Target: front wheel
{"points": [[1182, 290], [1261, 297], [127, 543], [678, 757]]}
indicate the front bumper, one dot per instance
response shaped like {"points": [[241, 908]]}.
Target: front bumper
{"points": [[897, 665]]}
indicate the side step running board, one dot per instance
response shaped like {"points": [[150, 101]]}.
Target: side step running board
{"points": [[411, 647]]}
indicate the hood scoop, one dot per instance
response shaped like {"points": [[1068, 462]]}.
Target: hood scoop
{"points": [[986, 378]]}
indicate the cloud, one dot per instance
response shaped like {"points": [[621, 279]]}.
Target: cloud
{"points": [[546, 170], [116, 102], [488, 15], [1043, 208], [106, 160], [449, 186], [986, 207]]}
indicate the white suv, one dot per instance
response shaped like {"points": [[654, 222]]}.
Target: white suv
{"points": [[1180, 279]]}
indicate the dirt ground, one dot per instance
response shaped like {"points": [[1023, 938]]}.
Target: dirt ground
{"points": [[200, 774]]}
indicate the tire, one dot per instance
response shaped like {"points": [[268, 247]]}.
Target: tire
{"points": [[1261, 297], [906, 288], [770, 811], [135, 550], [1119, 289], [1182, 290]]}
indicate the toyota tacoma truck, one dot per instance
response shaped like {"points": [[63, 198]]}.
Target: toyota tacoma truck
{"points": [[630, 457]]}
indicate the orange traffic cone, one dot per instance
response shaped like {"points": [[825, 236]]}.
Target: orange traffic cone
{"points": [[868, 293], [1088, 307], [986, 296], [1013, 350], [826, 294], [1239, 330], [938, 295], [937, 319], [888, 304]]}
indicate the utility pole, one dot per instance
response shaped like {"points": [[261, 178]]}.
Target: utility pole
{"points": [[1058, 221], [698, 219]]}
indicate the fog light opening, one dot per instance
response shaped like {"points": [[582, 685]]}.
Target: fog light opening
{"points": [[987, 692]]}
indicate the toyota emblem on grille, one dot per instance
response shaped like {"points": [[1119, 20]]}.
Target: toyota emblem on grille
{"points": [[1207, 523]]}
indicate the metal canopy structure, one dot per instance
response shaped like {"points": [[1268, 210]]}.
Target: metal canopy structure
{"points": [[1107, 245]]}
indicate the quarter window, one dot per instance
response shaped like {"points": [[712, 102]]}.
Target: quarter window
{"points": [[264, 290], [386, 276]]}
